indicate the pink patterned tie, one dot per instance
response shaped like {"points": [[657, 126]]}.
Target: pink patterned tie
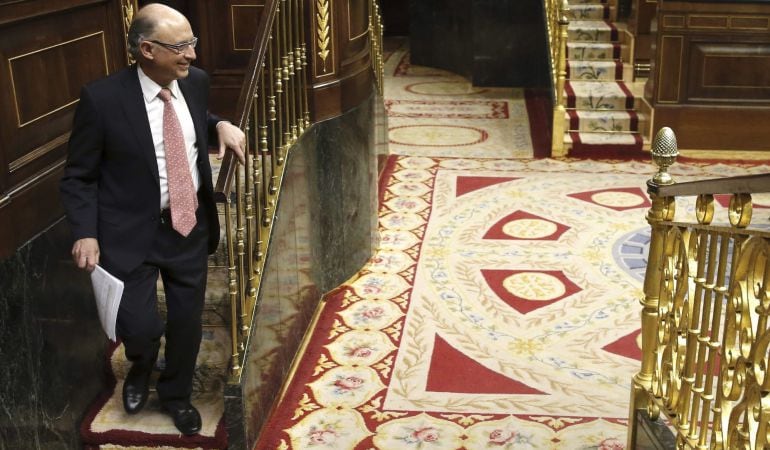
{"points": [[181, 192]]}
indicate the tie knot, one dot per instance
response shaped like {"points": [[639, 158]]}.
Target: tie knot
{"points": [[165, 94]]}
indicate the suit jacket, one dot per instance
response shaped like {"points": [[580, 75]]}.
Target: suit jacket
{"points": [[111, 188]]}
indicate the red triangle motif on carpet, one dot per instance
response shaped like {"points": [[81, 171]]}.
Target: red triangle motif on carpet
{"points": [[470, 184], [628, 346], [452, 371], [521, 225], [528, 290], [618, 199]]}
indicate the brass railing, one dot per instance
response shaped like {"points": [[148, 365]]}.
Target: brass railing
{"points": [[557, 21], [273, 112], [705, 327]]}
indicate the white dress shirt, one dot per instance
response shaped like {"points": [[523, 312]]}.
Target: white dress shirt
{"points": [[154, 106]]}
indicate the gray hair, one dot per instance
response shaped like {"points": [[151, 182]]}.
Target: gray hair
{"points": [[141, 27]]}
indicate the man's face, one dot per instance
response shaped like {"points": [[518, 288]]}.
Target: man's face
{"points": [[168, 64]]}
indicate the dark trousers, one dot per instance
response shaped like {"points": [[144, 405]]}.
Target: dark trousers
{"points": [[182, 263]]}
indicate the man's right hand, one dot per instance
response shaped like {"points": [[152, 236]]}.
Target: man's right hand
{"points": [[85, 253]]}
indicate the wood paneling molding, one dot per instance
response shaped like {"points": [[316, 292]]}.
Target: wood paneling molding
{"points": [[55, 63], [49, 49], [711, 79]]}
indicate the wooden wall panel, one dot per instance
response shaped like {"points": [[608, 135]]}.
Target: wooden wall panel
{"points": [[729, 71], [48, 50], [227, 30], [670, 68], [640, 24], [711, 74], [341, 76]]}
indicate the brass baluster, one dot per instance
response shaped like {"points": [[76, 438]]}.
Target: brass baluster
{"points": [[285, 103], [235, 366], [252, 227], [557, 139], [290, 82], [305, 108], [663, 209], [298, 73], [278, 80], [715, 344], [707, 284], [264, 156], [240, 242], [267, 144]]}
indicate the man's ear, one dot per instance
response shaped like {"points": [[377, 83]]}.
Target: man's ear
{"points": [[145, 48]]}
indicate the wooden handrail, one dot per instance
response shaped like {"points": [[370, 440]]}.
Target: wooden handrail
{"points": [[749, 184]]}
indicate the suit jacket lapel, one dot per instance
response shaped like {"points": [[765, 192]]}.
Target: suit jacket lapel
{"points": [[196, 112], [136, 114]]}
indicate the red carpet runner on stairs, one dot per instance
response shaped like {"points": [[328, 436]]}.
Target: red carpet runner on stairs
{"points": [[601, 119]]}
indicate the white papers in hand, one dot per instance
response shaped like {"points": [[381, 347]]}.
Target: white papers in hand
{"points": [[108, 291]]}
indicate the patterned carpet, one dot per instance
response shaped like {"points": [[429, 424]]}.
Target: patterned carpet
{"points": [[432, 112], [502, 307], [501, 311]]}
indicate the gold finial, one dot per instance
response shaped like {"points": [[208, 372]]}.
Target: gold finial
{"points": [[664, 153]]}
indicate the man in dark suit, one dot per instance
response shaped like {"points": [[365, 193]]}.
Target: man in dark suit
{"points": [[138, 194]]}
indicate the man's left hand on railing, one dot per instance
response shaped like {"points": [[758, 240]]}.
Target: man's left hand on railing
{"points": [[231, 137]]}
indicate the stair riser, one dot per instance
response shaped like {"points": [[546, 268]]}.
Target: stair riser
{"points": [[593, 71], [607, 123], [589, 12]]}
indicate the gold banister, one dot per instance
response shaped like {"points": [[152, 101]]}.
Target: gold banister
{"points": [[272, 110], [557, 21], [705, 311], [249, 191]]}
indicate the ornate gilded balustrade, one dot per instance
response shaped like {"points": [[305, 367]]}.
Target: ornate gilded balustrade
{"points": [[705, 336], [273, 112], [557, 12]]}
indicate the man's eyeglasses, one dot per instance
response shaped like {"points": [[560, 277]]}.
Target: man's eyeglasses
{"points": [[177, 48]]}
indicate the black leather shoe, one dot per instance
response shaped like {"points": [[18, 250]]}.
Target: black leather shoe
{"points": [[186, 418], [136, 388]]}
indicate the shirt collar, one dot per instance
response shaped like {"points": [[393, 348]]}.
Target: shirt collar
{"points": [[150, 89]]}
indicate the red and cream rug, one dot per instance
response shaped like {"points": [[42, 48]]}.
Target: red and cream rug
{"points": [[500, 311], [432, 112]]}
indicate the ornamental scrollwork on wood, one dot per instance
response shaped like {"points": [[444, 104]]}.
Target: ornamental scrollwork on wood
{"points": [[128, 7], [323, 29]]}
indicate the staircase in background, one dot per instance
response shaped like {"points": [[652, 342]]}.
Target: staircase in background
{"points": [[601, 112]]}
